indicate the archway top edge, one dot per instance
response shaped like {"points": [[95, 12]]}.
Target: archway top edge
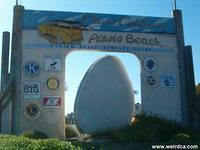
{"points": [[99, 22]]}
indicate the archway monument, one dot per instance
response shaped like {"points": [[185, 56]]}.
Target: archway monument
{"points": [[42, 40]]}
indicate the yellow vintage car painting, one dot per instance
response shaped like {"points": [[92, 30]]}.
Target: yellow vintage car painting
{"points": [[62, 32]]}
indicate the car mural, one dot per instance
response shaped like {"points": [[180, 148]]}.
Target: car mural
{"points": [[62, 31]]}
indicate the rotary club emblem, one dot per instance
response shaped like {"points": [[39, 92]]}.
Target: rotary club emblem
{"points": [[52, 83]]}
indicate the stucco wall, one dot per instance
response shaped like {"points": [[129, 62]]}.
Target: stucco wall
{"points": [[156, 99]]}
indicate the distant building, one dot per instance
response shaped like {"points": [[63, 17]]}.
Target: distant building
{"points": [[70, 118], [138, 108]]}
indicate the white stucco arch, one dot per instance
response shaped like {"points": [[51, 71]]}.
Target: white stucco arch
{"points": [[152, 40]]}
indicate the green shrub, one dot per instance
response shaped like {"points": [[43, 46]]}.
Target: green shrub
{"points": [[153, 129], [181, 138], [51, 144], [195, 137], [34, 134], [92, 146], [39, 135], [13, 143], [27, 134], [8, 142], [197, 141]]}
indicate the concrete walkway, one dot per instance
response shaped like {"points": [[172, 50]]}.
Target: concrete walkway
{"points": [[106, 142]]}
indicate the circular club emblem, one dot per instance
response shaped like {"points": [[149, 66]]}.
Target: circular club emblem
{"points": [[32, 111], [151, 80], [150, 64], [31, 68], [52, 83]]}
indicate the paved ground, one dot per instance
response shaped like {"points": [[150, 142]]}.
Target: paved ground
{"points": [[109, 143]]}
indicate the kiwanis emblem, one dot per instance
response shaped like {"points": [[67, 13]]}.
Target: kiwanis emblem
{"points": [[31, 68]]}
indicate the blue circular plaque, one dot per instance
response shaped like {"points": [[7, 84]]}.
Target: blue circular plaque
{"points": [[150, 64], [151, 80]]}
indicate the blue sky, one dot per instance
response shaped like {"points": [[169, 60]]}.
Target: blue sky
{"points": [[160, 8]]}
